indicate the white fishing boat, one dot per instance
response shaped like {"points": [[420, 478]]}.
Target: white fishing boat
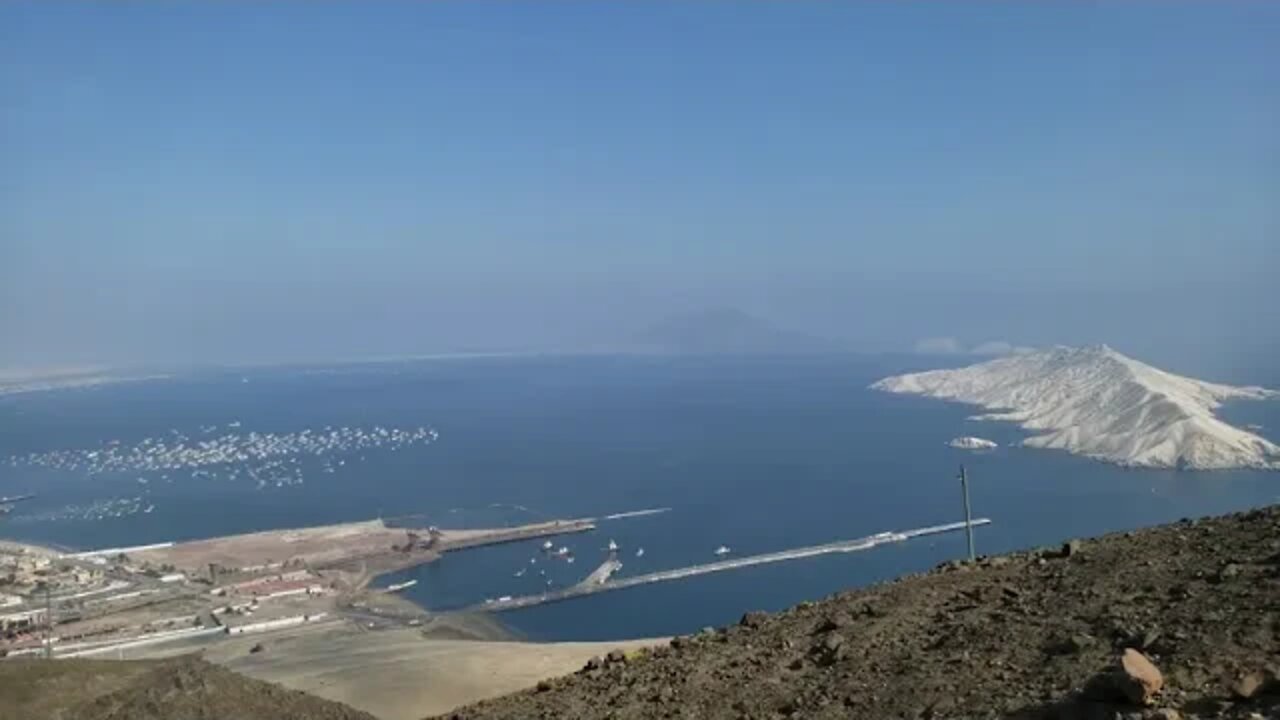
{"points": [[722, 550]]}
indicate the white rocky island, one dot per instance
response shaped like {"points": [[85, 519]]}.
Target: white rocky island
{"points": [[972, 443], [1096, 402]]}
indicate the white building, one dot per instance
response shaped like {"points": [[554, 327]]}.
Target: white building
{"points": [[24, 620]]}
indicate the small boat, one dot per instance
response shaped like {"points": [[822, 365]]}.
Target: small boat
{"points": [[722, 550], [613, 546], [520, 572], [569, 559], [547, 546], [640, 552]]}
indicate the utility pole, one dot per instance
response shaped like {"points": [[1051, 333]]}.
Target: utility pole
{"points": [[968, 517], [48, 625]]}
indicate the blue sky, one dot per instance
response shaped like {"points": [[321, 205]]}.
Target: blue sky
{"points": [[244, 182]]}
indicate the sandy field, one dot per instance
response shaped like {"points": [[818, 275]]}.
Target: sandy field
{"points": [[313, 545], [399, 674]]}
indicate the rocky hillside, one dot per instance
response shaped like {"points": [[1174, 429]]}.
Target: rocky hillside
{"points": [[1175, 621], [178, 689]]}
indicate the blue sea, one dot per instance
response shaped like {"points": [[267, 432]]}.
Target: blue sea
{"points": [[759, 454]]}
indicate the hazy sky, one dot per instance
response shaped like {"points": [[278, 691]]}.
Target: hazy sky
{"points": [[225, 182]]}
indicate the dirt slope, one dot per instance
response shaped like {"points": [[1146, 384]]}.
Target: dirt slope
{"points": [[1035, 634], [178, 689]]}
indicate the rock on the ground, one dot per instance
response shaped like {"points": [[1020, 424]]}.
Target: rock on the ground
{"points": [[1248, 685], [1139, 679]]}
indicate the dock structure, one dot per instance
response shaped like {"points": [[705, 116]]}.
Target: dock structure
{"points": [[453, 540], [601, 575], [842, 546]]}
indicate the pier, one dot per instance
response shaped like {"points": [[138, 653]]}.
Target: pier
{"points": [[452, 540], [601, 575], [594, 583]]}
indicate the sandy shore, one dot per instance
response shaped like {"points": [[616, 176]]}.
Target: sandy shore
{"points": [[399, 674], [315, 545]]}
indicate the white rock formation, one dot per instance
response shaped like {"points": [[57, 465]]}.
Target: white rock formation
{"points": [[972, 443], [1096, 402]]}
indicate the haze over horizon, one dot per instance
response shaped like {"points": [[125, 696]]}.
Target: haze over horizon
{"points": [[242, 183]]}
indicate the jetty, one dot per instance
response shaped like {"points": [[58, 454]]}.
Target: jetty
{"points": [[601, 575], [600, 580]]}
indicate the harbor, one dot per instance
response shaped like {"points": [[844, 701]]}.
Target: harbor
{"points": [[601, 579], [119, 598], [111, 600]]}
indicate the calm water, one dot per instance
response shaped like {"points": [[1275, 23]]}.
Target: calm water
{"points": [[756, 454]]}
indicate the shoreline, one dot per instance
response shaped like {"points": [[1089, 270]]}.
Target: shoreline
{"points": [[276, 581], [379, 652]]}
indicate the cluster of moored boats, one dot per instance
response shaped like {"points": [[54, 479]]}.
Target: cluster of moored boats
{"points": [[550, 552], [178, 451], [222, 453], [96, 510]]}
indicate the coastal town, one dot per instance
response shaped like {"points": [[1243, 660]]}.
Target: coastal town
{"points": [[106, 602]]}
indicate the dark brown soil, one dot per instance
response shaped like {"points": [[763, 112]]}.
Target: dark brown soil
{"points": [[179, 689], [1032, 635]]}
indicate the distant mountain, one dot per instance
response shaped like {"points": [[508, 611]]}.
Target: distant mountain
{"points": [[1099, 403], [724, 331]]}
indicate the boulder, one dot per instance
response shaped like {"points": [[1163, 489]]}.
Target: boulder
{"points": [[616, 657], [834, 621], [753, 619], [1138, 679], [1249, 685], [1080, 642]]}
